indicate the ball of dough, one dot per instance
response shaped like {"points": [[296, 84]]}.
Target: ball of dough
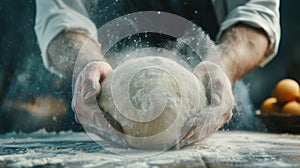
{"points": [[151, 98]]}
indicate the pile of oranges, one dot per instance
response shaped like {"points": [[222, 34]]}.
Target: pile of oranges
{"points": [[285, 98]]}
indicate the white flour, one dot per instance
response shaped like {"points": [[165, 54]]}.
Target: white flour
{"points": [[229, 149]]}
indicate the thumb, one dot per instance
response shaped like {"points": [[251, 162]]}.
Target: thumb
{"points": [[93, 74]]}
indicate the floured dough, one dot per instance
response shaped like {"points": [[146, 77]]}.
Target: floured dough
{"points": [[152, 98]]}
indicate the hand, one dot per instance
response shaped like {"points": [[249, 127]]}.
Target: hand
{"points": [[220, 104], [85, 105]]}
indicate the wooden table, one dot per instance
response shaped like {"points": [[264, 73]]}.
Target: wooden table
{"points": [[223, 149]]}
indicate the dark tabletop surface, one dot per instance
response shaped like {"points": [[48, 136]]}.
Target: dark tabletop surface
{"points": [[223, 149]]}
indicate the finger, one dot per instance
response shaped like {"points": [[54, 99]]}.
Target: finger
{"points": [[105, 129], [201, 72], [196, 134], [91, 80], [208, 119], [76, 118], [77, 92], [98, 125], [105, 70]]}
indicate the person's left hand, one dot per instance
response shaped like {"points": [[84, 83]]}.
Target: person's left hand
{"points": [[219, 108]]}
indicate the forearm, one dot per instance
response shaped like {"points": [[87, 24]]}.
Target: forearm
{"points": [[242, 49], [72, 49]]}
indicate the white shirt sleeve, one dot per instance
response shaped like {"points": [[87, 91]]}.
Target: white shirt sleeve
{"points": [[257, 13], [54, 16]]}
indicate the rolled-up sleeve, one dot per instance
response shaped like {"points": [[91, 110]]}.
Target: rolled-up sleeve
{"points": [[54, 16], [262, 14]]}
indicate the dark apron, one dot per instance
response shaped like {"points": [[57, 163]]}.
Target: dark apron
{"points": [[200, 12]]}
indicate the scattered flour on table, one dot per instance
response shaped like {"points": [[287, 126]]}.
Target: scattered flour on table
{"points": [[68, 148]]}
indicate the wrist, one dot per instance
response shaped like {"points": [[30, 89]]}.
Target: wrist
{"points": [[242, 48], [68, 49], [228, 63], [72, 51]]}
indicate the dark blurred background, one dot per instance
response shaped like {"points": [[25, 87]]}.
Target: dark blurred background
{"points": [[32, 98]]}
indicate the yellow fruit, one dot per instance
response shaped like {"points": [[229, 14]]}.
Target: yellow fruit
{"points": [[270, 105], [286, 90], [292, 107]]}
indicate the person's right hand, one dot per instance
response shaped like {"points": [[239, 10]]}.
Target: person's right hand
{"points": [[85, 105], [219, 108]]}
